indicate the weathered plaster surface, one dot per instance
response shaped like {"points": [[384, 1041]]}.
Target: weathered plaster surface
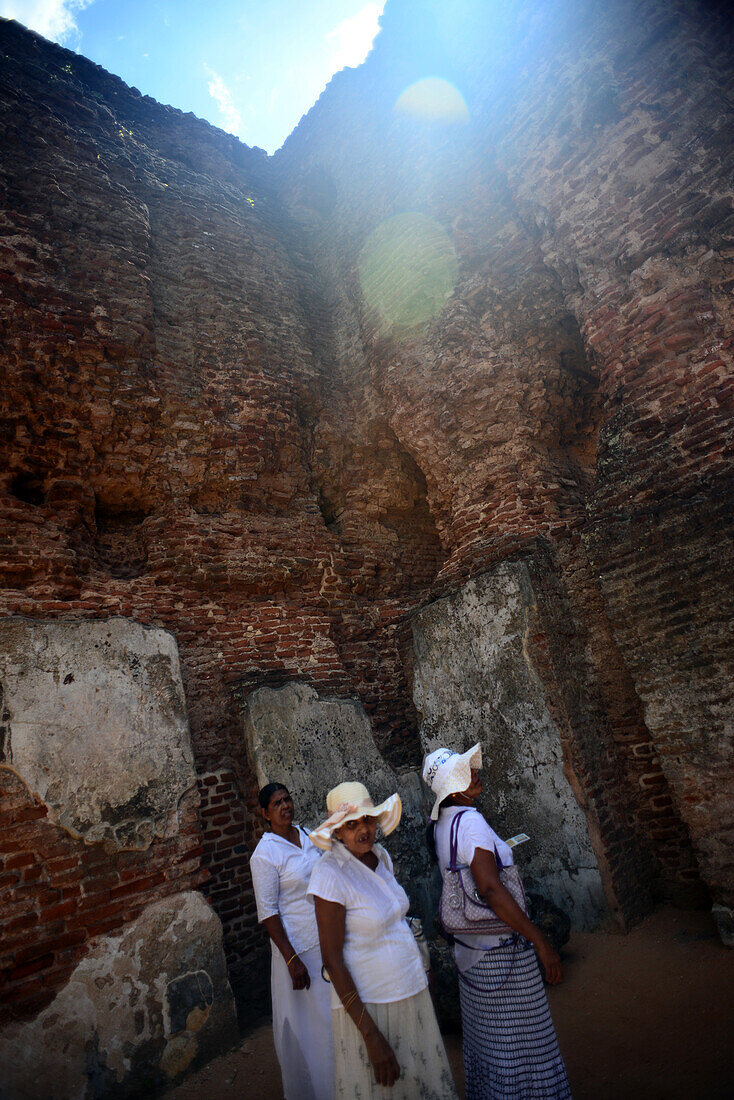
{"points": [[96, 725], [311, 744], [474, 681], [138, 1010]]}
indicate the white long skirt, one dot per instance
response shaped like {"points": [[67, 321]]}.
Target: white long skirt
{"points": [[302, 1030], [411, 1029]]}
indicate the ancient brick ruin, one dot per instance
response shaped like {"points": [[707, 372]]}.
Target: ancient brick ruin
{"points": [[206, 428]]}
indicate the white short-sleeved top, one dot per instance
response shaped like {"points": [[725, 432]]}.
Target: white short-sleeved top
{"points": [[280, 875], [380, 951], [473, 832]]}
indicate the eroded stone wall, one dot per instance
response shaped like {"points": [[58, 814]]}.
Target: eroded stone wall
{"points": [[112, 962], [474, 682], [138, 1010], [96, 726]]}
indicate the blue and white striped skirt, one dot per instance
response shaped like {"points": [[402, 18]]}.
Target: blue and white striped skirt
{"points": [[510, 1046]]}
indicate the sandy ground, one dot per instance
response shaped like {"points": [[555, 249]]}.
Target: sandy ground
{"points": [[648, 1015]]}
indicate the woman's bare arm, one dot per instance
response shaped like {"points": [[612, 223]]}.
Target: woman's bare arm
{"points": [[297, 970], [486, 876], [331, 919]]}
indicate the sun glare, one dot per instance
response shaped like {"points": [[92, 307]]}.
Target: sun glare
{"points": [[407, 270], [433, 100]]}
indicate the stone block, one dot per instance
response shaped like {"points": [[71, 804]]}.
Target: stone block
{"points": [[312, 743], [140, 1009], [95, 724], [474, 681], [190, 999]]}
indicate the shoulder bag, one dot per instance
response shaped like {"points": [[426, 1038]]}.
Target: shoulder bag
{"points": [[462, 908]]}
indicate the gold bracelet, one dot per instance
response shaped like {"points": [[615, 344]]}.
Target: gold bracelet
{"points": [[359, 1021], [292, 958], [352, 996]]}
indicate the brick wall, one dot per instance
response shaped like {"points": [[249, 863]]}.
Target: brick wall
{"points": [[56, 892], [230, 831]]}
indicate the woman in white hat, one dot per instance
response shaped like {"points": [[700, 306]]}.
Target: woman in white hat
{"points": [[386, 1038], [281, 867], [509, 1042]]}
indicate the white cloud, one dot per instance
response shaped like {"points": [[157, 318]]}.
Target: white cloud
{"points": [[54, 19], [222, 96], [352, 38]]}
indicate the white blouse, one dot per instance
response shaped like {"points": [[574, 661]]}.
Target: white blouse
{"points": [[380, 951], [280, 875], [473, 832]]}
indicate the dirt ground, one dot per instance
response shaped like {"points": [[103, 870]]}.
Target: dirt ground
{"points": [[648, 1015]]}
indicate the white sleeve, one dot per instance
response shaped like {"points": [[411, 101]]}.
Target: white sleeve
{"points": [[474, 832], [266, 882], [384, 856], [326, 883]]}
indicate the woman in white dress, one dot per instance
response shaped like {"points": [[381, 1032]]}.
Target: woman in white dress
{"points": [[510, 1046], [281, 867], [386, 1038]]}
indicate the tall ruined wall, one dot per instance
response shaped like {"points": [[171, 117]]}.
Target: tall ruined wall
{"points": [[571, 403], [205, 427], [162, 380]]}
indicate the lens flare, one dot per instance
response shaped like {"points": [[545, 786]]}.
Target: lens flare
{"points": [[433, 100], [407, 270]]}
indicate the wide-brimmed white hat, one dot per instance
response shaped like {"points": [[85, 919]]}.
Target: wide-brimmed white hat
{"points": [[350, 801], [447, 772]]}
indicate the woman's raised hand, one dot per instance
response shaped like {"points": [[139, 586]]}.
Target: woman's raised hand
{"points": [[551, 961], [382, 1057], [299, 974]]}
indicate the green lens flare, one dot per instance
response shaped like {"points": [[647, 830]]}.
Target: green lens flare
{"points": [[407, 270], [433, 100]]}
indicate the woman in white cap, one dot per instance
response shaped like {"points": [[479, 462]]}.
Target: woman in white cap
{"points": [[509, 1042], [281, 867], [386, 1038]]}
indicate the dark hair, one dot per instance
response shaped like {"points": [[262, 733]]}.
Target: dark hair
{"points": [[431, 841], [431, 830], [267, 792]]}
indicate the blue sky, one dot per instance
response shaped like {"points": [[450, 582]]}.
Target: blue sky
{"points": [[252, 67]]}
